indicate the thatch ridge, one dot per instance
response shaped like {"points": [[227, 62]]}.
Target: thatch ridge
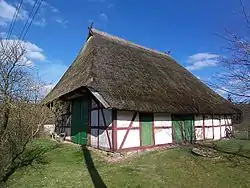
{"points": [[129, 43]]}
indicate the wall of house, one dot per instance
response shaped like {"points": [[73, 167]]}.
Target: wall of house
{"points": [[62, 110], [101, 127], [207, 127], [123, 131], [162, 128], [128, 129]]}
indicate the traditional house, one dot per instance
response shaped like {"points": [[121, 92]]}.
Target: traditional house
{"points": [[118, 95]]}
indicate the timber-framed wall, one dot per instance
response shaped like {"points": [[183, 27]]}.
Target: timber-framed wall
{"points": [[114, 130], [127, 129]]}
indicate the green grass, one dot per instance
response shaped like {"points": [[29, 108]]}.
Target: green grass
{"points": [[63, 165]]}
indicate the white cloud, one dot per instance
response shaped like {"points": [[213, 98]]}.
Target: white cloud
{"points": [[103, 17], [110, 6], [62, 22], [198, 77], [7, 12], [41, 22], [33, 52], [51, 71], [221, 91], [46, 13], [202, 56], [202, 60], [31, 2], [52, 8], [47, 88], [43, 5], [56, 14], [3, 35]]}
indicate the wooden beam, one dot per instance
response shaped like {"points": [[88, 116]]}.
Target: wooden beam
{"points": [[89, 124], [172, 129], [129, 127], [220, 125], [213, 125], [203, 121], [140, 129], [153, 129], [114, 129], [98, 122], [99, 98]]}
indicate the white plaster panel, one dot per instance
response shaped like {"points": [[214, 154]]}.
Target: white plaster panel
{"points": [[216, 133], [162, 120], [120, 136], [223, 133], [110, 136], [199, 133], [209, 133], [208, 121], [228, 120], [103, 138], [163, 136], [94, 137], [124, 118], [223, 121], [216, 120], [198, 121], [132, 140], [94, 118]]}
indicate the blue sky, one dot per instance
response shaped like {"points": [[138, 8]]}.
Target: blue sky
{"points": [[187, 28]]}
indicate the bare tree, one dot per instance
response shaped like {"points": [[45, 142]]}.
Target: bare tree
{"points": [[21, 114], [235, 75]]}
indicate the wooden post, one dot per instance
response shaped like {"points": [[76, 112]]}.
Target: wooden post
{"points": [[213, 125], [203, 118], [114, 129], [129, 127], [153, 129], [98, 122]]}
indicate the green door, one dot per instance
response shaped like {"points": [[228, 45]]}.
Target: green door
{"points": [[146, 129], [79, 126], [177, 129], [183, 128], [189, 129]]}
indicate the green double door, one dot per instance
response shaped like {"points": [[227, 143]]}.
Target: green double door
{"points": [[79, 121], [183, 128], [146, 129]]}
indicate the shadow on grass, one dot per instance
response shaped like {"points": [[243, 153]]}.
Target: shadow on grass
{"points": [[29, 156], [95, 176]]}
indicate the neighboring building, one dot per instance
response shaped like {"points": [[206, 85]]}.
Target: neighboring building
{"points": [[118, 95]]}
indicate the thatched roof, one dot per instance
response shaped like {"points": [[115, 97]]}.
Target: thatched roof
{"points": [[131, 77]]}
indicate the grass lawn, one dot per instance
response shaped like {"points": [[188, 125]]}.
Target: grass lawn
{"points": [[64, 165]]}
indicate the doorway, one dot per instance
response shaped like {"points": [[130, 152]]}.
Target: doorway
{"points": [[183, 129], [146, 121], [79, 121]]}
